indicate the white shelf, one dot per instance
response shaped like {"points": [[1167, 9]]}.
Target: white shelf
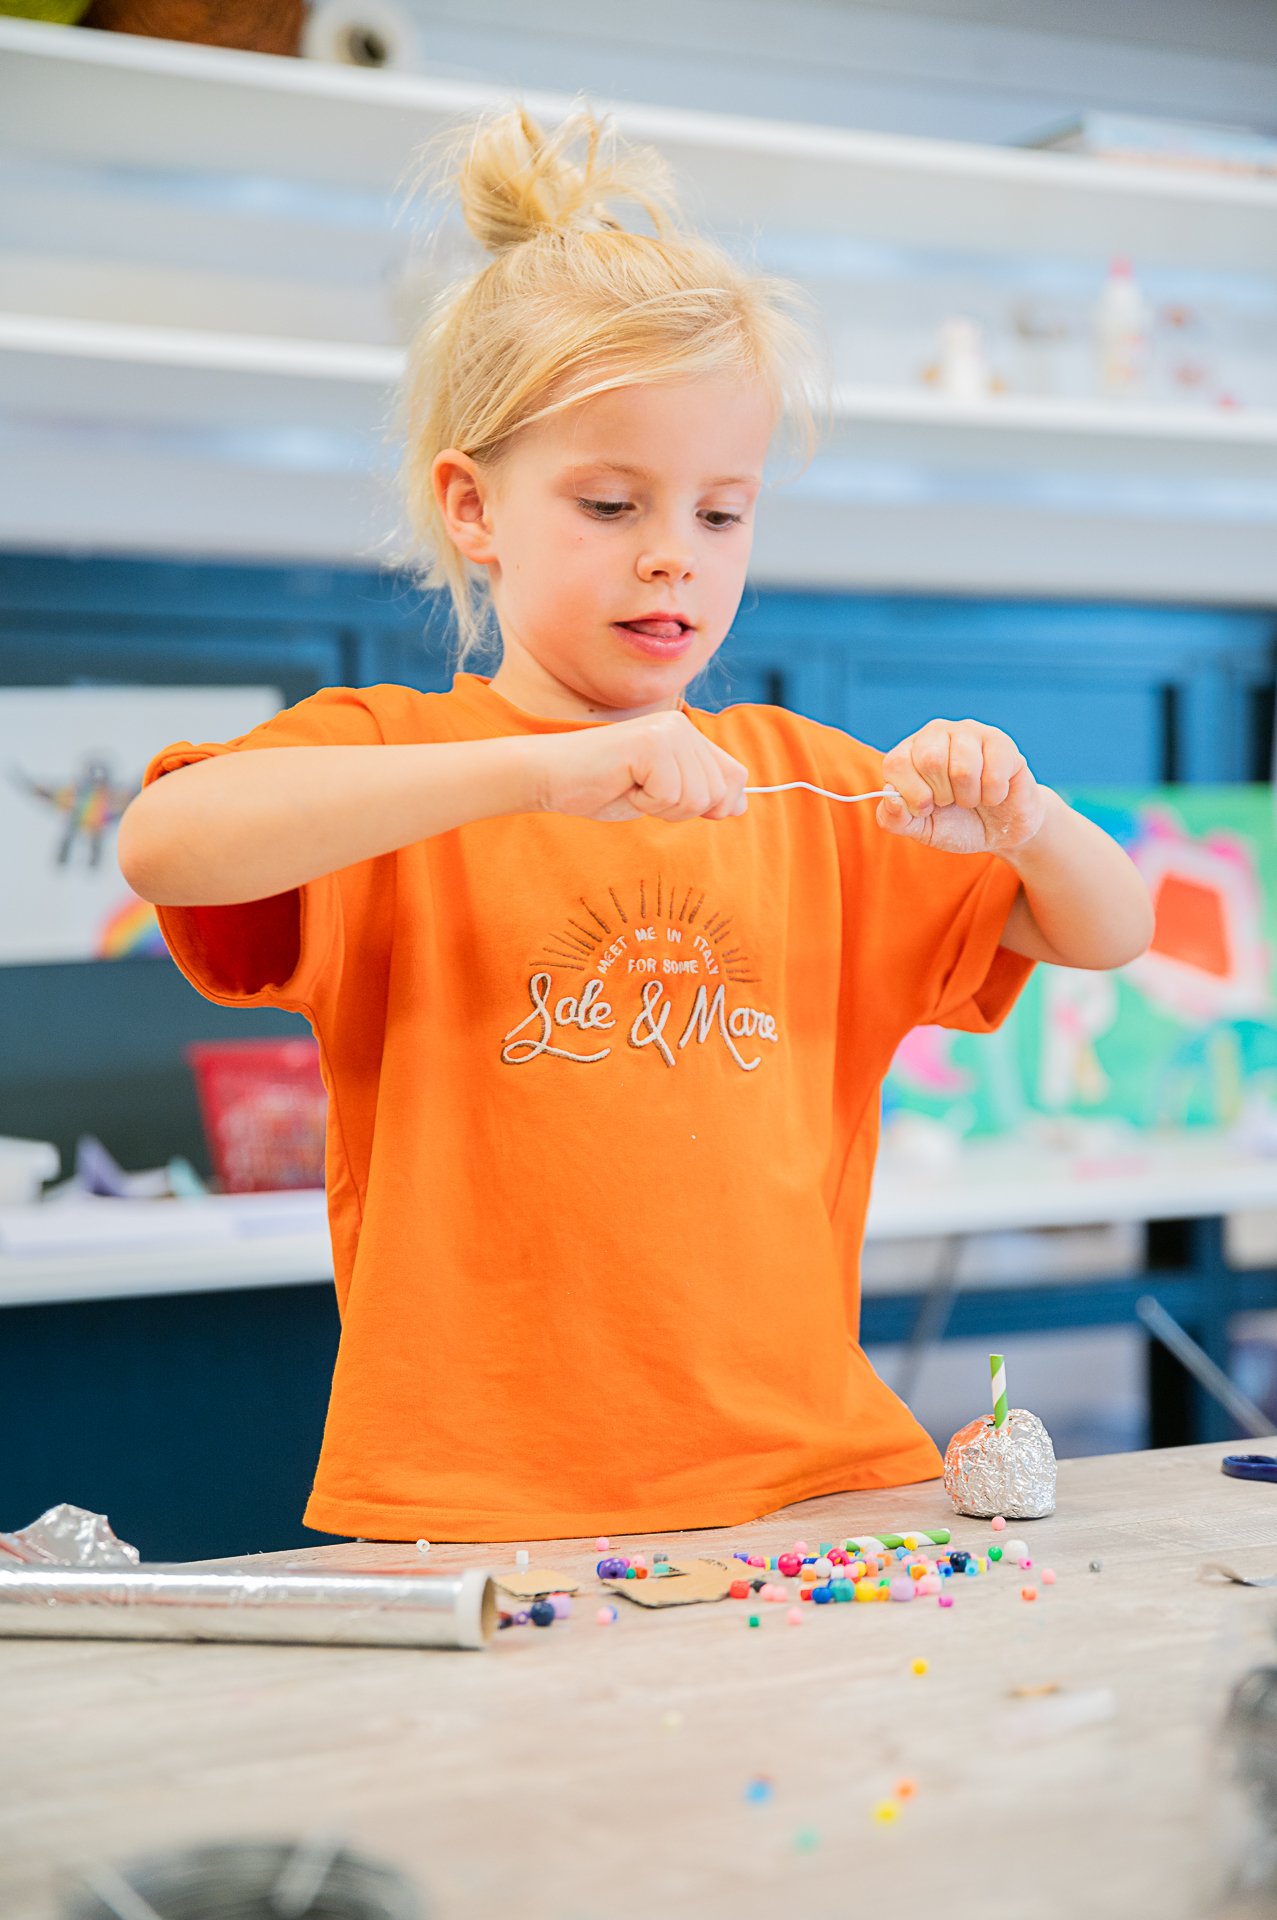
{"points": [[243, 199], [1121, 422], [120, 1249], [125, 100], [999, 1186]]}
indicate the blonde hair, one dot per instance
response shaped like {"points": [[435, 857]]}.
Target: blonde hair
{"points": [[573, 304]]}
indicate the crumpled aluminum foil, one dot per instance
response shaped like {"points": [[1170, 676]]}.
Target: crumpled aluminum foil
{"points": [[1012, 1472], [67, 1536]]}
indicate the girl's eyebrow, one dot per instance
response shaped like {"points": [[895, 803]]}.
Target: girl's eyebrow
{"points": [[619, 468]]}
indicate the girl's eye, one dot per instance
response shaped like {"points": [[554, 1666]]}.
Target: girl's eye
{"points": [[605, 509], [718, 517]]}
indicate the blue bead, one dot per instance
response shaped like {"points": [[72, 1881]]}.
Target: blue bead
{"points": [[543, 1614], [958, 1559], [822, 1595], [612, 1569], [971, 1570]]}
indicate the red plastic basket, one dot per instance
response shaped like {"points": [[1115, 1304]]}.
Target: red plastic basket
{"points": [[264, 1110]]}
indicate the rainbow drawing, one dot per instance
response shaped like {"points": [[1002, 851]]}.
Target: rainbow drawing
{"points": [[129, 932]]}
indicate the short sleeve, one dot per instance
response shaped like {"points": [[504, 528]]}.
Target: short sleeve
{"points": [[974, 980], [278, 952]]}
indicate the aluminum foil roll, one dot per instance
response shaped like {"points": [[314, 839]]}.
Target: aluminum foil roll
{"points": [[330, 1610], [1012, 1472]]}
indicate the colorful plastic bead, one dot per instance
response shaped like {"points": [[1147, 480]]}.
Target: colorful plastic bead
{"points": [[905, 1788], [842, 1590], [739, 1590], [756, 1560], [971, 1570], [753, 1619], [885, 1812], [423, 1546], [801, 1547], [946, 1599], [995, 1554], [759, 1790], [789, 1564], [602, 1543], [998, 1523], [1025, 1564], [866, 1590], [1048, 1576], [919, 1666], [795, 1616], [1028, 1593], [1014, 1549], [543, 1613], [562, 1604], [958, 1559], [613, 1568], [902, 1589], [606, 1616], [822, 1594]]}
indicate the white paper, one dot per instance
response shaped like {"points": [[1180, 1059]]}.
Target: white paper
{"points": [[71, 758]]}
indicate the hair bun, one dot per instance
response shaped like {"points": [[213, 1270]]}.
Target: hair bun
{"points": [[517, 183]]}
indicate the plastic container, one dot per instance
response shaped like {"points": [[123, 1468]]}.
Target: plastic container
{"points": [[1121, 331], [25, 1165], [264, 1109]]}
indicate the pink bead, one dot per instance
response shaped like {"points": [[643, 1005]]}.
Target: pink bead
{"points": [[800, 1546], [999, 1524], [606, 1616], [1048, 1576], [789, 1564], [1025, 1564], [602, 1543], [945, 1600], [755, 1560], [795, 1616], [562, 1604]]}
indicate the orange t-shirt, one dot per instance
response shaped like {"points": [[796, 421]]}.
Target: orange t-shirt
{"points": [[603, 1109]]}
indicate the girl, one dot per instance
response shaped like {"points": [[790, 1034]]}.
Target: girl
{"points": [[603, 1041]]}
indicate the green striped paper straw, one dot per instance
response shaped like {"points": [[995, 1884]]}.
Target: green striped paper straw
{"points": [[998, 1373]]}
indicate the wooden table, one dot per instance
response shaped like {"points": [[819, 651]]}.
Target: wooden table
{"points": [[579, 1772]]}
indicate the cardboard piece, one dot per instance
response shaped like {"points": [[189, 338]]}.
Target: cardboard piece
{"points": [[531, 1583], [683, 1586]]}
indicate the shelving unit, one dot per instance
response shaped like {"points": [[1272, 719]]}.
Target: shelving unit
{"points": [[169, 212]]}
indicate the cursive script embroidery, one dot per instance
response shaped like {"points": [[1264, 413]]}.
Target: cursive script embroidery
{"points": [[517, 1053], [704, 1012], [646, 1017]]}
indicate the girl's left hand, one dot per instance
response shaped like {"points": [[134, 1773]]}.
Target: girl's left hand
{"points": [[964, 788]]}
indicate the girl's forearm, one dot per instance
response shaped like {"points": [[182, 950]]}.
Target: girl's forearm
{"points": [[1083, 902], [243, 826]]}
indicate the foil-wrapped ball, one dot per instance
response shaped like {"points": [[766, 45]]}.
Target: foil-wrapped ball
{"points": [[1011, 1472]]}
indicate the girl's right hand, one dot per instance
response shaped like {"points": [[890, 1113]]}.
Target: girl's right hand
{"points": [[656, 768]]}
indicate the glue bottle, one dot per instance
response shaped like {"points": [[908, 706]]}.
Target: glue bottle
{"points": [[1121, 330]]}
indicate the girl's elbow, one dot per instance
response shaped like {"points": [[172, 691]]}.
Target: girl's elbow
{"points": [[140, 858]]}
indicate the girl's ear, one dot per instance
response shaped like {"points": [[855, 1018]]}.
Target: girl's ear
{"points": [[461, 490]]}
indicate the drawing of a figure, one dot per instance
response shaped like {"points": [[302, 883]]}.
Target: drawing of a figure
{"points": [[90, 803]]}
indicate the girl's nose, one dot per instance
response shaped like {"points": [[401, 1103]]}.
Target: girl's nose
{"points": [[667, 562]]}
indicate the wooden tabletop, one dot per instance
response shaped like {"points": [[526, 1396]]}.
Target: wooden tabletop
{"points": [[575, 1772]]}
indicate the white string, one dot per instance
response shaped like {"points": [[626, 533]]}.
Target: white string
{"points": [[882, 793]]}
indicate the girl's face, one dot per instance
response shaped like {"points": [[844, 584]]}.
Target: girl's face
{"points": [[616, 537]]}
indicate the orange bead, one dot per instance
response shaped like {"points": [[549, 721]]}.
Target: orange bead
{"points": [[1028, 1593], [905, 1789], [640, 1573]]}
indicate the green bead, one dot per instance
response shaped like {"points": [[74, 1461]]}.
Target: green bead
{"points": [[753, 1619], [995, 1553]]}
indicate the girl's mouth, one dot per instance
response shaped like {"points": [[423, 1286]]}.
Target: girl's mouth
{"points": [[663, 637]]}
